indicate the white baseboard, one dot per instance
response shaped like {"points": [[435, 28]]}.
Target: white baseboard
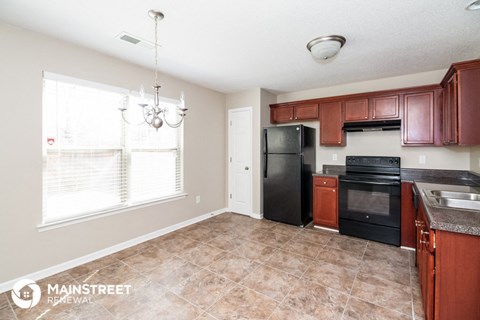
{"points": [[408, 248], [8, 285], [254, 215], [258, 216], [324, 228]]}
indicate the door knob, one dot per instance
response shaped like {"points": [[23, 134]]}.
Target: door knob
{"points": [[246, 168]]}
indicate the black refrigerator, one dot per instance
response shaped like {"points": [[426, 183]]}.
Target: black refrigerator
{"points": [[288, 165]]}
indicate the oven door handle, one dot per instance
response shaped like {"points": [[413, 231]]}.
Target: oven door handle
{"points": [[393, 183]]}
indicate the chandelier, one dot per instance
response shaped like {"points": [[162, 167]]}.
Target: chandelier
{"points": [[153, 113]]}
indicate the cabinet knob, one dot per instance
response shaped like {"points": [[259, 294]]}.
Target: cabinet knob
{"points": [[333, 190], [296, 118], [324, 182], [290, 118], [424, 232], [423, 242]]}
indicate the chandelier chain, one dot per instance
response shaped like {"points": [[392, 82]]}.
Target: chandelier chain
{"points": [[156, 51], [154, 112]]}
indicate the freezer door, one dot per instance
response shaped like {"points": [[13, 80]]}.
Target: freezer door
{"points": [[282, 188], [286, 139]]}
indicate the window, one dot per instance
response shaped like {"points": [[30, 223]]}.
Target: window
{"points": [[93, 161]]}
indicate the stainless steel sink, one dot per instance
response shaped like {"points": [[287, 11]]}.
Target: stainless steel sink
{"points": [[455, 195], [457, 203], [454, 199]]}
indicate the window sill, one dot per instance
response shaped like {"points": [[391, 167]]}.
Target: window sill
{"points": [[105, 213]]}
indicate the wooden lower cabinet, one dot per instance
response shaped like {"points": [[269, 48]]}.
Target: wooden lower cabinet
{"points": [[325, 202], [426, 262], [407, 229], [457, 276], [448, 271]]}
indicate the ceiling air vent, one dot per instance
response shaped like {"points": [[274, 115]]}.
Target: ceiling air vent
{"points": [[130, 38]]}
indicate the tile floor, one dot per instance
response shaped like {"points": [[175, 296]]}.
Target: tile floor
{"points": [[236, 267]]}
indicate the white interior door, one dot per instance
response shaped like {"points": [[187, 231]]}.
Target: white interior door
{"points": [[240, 160]]}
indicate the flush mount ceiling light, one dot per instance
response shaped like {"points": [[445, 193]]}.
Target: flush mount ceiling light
{"points": [[475, 5], [153, 113], [324, 48]]}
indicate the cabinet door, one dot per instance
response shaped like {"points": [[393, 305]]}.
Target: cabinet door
{"points": [[356, 110], [385, 108], [325, 207], [331, 123], [407, 238], [450, 111], [306, 112], [426, 264], [418, 118], [427, 283], [281, 114]]}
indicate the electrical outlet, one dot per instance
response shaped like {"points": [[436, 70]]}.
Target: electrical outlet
{"points": [[334, 157], [197, 199], [422, 159]]}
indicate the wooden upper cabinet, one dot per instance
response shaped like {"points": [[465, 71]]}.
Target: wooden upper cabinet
{"points": [[372, 108], [293, 112], [281, 114], [418, 118], [306, 112], [384, 108], [356, 110], [432, 115], [450, 111], [462, 103], [331, 124]]}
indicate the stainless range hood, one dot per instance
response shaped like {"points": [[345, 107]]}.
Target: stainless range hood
{"points": [[372, 125]]}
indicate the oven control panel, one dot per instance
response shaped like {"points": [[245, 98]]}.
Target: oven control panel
{"points": [[369, 161]]}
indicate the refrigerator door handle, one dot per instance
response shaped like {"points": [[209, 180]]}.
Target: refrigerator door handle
{"points": [[265, 141], [265, 162], [265, 154]]}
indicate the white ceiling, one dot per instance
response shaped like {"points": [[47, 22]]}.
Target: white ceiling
{"points": [[235, 45]]}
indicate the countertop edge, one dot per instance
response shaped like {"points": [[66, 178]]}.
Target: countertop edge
{"points": [[436, 214]]}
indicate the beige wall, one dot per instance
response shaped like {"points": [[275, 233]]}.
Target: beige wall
{"points": [[411, 80], [475, 159], [24, 55], [384, 143]]}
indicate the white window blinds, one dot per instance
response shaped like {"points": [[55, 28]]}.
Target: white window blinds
{"points": [[93, 161]]}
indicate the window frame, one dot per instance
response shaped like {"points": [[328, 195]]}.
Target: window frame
{"points": [[126, 203]]}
